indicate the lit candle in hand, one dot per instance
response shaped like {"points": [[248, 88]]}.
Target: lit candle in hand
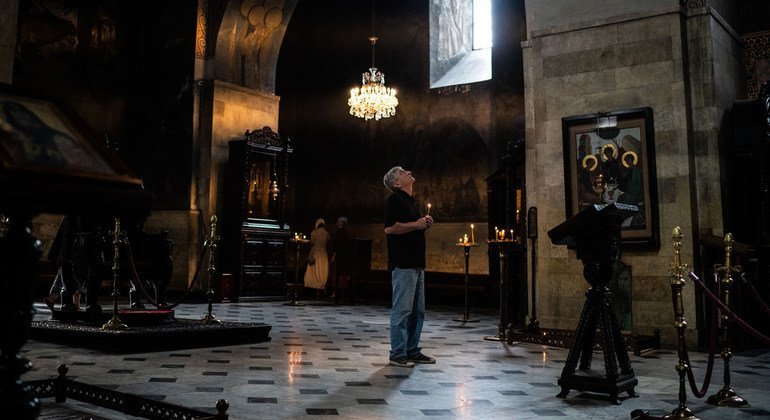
{"points": [[428, 209], [473, 240]]}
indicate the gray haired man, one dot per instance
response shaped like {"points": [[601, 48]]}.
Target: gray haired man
{"points": [[405, 230]]}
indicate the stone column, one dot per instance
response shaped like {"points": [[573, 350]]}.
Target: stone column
{"points": [[210, 14]]}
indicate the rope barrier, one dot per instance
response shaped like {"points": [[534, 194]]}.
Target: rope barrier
{"points": [[701, 392], [152, 301], [755, 295], [725, 310]]}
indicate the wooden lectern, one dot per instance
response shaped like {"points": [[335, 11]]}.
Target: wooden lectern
{"points": [[595, 234]]}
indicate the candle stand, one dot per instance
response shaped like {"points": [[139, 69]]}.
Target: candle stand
{"points": [[501, 245], [292, 288], [467, 252]]}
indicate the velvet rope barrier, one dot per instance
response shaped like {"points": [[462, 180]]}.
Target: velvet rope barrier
{"points": [[733, 317], [701, 392], [755, 295], [137, 281]]}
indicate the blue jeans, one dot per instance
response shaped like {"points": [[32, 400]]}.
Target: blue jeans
{"points": [[408, 312]]}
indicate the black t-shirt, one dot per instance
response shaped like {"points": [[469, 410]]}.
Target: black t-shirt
{"points": [[406, 250]]}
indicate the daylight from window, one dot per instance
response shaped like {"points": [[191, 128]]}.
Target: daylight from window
{"points": [[460, 42], [482, 24]]}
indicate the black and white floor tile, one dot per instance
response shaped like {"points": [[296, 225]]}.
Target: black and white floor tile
{"points": [[332, 361]]}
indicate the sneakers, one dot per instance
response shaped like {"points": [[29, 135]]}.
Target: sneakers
{"points": [[421, 358], [402, 362]]}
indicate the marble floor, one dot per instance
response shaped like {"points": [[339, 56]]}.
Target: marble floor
{"points": [[332, 361]]}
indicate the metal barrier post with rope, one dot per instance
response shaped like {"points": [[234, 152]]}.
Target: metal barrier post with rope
{"points": [[676, 270], [212, 243], [115, 323], [726, 397]]}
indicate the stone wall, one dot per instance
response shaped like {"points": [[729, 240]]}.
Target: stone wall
{"points": [[441, 253], [545, 15], [621, 59], [236, 109]]}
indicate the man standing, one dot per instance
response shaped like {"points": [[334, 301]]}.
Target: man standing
{"points": [[405, 230]]}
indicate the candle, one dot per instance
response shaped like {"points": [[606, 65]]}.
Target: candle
{"points": [[473, 240], [511, 234], [428, 209], [497, 233], [460, 240], [465, 239]]}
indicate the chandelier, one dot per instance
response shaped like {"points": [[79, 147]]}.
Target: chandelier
{"points": [[373, 99]]}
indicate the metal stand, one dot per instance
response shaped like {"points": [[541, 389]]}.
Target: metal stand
{"points": [[534, 324], [209, 318], [677, 283], [677, 270], [503, 268], [291, 288], [595, 235], [115, 323], [726, 397], [466, 314]]}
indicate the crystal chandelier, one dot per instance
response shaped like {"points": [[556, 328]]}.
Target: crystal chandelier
{"points": [[373, 99]]}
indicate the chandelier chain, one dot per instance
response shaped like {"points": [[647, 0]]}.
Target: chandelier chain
{"points": [[373, 99]]}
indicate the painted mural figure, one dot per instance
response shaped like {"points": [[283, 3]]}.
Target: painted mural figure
{"points": [[609, 171], [318, 261], [405, 230], [30, 139]]}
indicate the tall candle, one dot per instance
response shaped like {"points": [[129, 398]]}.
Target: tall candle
{"points": [[473, 240], [497, 233], [428, 209]]}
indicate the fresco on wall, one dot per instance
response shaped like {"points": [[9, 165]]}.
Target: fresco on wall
{"points": [[451, 140], [449, 160], [249, 38]]}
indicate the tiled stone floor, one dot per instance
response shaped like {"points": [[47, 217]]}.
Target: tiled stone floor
{"points": [[332, 361]]}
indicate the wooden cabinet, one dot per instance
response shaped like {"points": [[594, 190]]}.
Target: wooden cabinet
{"points": [[255, 233]]}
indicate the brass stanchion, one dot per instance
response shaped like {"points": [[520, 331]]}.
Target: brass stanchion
{"points": [[292, 289], [115, 323], [467, 252], [503, 267], [678, 281], [534, 324], [212, 243], [726, 397]]}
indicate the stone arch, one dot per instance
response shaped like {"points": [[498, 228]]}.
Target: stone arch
{"points": [[249, 40]]}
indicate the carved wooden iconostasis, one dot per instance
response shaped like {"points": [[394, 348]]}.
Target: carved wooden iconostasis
{"points": [[255, 231]]}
